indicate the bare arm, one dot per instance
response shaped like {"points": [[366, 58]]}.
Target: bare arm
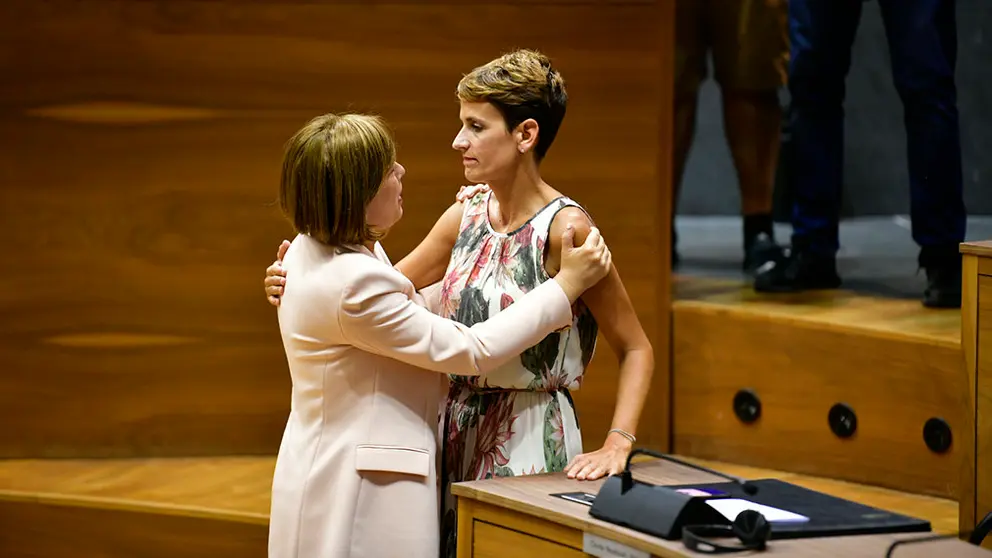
{"points": [[425, 265], [609, 303]]}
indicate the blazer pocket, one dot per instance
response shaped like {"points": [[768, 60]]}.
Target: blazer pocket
{"points": [[393, 459]]}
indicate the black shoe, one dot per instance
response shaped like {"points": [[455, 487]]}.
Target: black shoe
{"points": [[943, 287], [759, 251], [798, 271]]}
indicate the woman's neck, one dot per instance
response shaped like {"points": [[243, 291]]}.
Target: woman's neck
{"points": [[518, 197]]}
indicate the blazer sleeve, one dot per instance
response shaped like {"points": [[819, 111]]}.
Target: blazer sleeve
{"points": [[377, 315], [432, 297]]}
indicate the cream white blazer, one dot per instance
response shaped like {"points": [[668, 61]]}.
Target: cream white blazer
{"points": [[356, 473]]}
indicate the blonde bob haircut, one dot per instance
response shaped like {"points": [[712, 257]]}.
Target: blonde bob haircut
{"points": [[332, 168]]}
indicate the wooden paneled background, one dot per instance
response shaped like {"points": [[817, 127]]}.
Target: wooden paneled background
{"points": [[141, 143]]}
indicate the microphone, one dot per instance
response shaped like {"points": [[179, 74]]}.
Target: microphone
{"points": [[975, 537], [627, 480]]}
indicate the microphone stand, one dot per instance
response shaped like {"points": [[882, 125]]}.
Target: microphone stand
{"points": [[975, 537], [657, 510], [627, 480]]}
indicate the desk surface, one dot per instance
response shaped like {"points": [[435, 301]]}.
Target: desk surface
{"points": [[530, 495], [978, 248]]}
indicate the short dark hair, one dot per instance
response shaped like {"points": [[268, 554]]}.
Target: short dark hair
{"points": [[521, 85]]}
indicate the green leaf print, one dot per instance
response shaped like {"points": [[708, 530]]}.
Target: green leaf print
{"points": [[554, 438], [469, 239], [472, 308], [504, 471], [588, 330], [468, 415], [524, 269], [540, 358]]}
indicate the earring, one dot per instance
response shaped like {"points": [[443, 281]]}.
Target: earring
{"points": [[522, 149]]}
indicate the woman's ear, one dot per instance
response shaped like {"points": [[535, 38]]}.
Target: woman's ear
{"points": [[526, 135]]}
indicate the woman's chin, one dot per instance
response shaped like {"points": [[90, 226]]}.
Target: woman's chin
{"points": [[473, 176]]}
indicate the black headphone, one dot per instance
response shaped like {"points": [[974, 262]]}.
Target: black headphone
{"points": [[750, 527]]}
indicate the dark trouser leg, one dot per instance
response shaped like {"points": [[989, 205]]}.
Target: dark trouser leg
{"points": [[821, 33], [923, 44], [922, 38]]}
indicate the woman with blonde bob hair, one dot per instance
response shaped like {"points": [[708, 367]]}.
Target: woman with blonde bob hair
{"points": [[355, 475]]}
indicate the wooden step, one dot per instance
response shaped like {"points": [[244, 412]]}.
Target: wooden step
{"points": [[117, 508], [896, 364], [213, 507]]}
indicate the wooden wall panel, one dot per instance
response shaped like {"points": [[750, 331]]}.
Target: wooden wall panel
{"points": [[142, 143], [983, 404], [799, 369]]}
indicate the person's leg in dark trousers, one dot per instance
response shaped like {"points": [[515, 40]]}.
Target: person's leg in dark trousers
{"points": [[821, 33], [922, 38]]}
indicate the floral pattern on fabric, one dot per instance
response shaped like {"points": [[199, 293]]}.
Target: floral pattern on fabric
{"points": [[519, 420]]}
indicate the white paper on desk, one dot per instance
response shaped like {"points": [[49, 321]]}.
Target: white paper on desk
{"points": [[730, 507]]}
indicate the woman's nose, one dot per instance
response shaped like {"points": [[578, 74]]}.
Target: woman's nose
{"points": [[459, 142]]}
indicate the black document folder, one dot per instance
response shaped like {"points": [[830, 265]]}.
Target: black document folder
{"points": [[828, 515]]}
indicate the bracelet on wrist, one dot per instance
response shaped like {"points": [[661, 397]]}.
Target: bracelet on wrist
{"points": [[630, 437]]}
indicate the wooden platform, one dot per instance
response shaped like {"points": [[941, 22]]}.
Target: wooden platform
{"points": [[219, 506], [117, 508], [894, 362]]}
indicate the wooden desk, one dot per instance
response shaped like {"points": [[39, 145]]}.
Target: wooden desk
{"points": [[976, 332], [517, 517]]}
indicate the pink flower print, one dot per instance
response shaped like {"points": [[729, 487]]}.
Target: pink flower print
{"points": [[454, 443], [513, 245], [485, 251], [556, 378], [449, 293], [524, 235], [534, 470], [495, 430]]}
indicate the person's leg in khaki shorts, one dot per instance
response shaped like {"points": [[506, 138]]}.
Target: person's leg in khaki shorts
{"points": [[750, 56]]}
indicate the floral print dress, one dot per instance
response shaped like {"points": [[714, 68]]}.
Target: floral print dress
{"points": [[519, 419]]}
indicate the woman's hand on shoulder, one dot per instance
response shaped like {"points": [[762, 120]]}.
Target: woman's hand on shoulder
{"points": [[469, 192], [583, 266], [581, 226]]}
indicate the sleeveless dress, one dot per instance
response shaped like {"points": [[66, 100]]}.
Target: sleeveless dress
{"points": [[519, 419]]}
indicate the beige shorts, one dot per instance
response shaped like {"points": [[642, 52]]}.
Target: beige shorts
{"points": [[748, 38]]}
